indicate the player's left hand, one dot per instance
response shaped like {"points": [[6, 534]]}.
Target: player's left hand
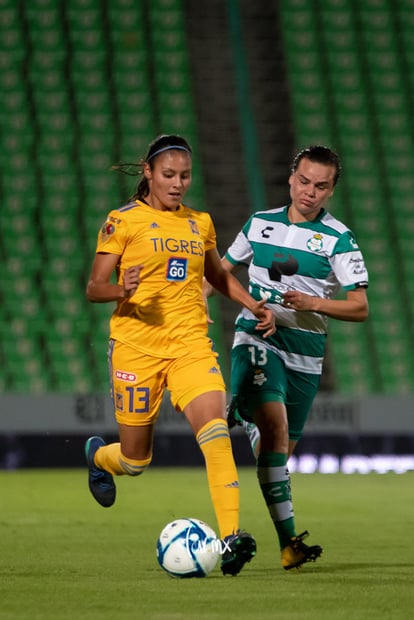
{"points": [[266, 319], [295, 300]]}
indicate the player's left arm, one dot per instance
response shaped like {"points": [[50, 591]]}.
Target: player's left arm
{"points": [[208, 288], [353, 308], [224, 281]]}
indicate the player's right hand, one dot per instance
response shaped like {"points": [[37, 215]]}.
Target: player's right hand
{"points": [[266, 319]]}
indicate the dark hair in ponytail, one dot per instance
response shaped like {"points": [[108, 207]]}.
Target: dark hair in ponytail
{"points": [[159, 145]]}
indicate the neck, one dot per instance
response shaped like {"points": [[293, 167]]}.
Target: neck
{"points": [[158, 206], [296, 217]]}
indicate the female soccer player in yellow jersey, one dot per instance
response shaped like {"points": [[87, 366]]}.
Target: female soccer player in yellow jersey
{"points": [[160, 250]]}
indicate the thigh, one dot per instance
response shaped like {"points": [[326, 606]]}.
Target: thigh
{"points": [[301, 392], [137, 384], [258, 376], [193, 375]]}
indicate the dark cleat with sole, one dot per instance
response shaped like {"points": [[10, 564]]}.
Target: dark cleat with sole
{"points": [[101, 483]]}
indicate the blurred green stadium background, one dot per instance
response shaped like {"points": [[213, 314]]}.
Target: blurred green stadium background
{"points": [[88, 83]]}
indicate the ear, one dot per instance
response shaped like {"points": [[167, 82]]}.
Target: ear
{"points": [[147, 171]]}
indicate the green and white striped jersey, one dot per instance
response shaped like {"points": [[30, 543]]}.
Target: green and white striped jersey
{"points": [[318, 258]]}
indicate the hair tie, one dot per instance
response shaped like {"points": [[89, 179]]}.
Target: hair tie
{"points": [[131, 170]]}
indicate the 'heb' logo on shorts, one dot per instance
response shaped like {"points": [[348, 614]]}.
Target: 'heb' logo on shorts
{"points": [[177, 269], [125, 376]]}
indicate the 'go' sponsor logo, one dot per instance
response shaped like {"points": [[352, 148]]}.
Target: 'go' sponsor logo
{"points": [[177, 269]]}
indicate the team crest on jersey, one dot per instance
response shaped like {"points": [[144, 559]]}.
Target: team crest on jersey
{"points": [[119, 401], [193, 227], [177, 269], [107, 230], [315, 243]]}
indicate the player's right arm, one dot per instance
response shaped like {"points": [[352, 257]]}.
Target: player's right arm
{"points": [[100, 289]]}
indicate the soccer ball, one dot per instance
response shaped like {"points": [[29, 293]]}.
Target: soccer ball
{"points": [[188, 548]]}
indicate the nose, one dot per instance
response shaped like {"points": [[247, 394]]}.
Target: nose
{"points": [[177, 181]]}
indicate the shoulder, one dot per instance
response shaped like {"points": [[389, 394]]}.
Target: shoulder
{"points": [[194, 214], [197, 219], [342, 236], [265, 220], [337, 227], [133, 214], [129, 210], [271, 215], [130, 206]]}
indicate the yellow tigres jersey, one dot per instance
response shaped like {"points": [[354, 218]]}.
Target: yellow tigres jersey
{"points": [[166, 317]]}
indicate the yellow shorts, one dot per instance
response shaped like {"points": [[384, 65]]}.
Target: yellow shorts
{"points": [[139, 381]]}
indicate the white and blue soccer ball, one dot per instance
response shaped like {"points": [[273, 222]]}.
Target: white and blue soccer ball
{"points": [[188, 548]]}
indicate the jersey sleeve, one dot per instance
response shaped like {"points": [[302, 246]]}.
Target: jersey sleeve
{"points": [[348, 263], [113, 235], [241, 252], [211, 240]]}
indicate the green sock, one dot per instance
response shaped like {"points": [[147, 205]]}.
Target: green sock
{"points": [[274, 480], [253, 434]]}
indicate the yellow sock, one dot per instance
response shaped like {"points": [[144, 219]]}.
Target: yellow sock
{"points": [[107, 458], [134, 467], [214, 442], [111, 459]]}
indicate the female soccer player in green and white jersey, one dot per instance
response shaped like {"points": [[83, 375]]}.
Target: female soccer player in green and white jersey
{"points": [[299, 257]]}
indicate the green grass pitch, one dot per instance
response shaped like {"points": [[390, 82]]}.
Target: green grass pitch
{"points": [[62, 556]]}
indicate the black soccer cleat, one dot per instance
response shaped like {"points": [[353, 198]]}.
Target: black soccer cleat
{"points": [[239, 548], [101, 483]]}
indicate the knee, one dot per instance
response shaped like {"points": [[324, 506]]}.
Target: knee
{"points": [[274, 435], [134, 467]]}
